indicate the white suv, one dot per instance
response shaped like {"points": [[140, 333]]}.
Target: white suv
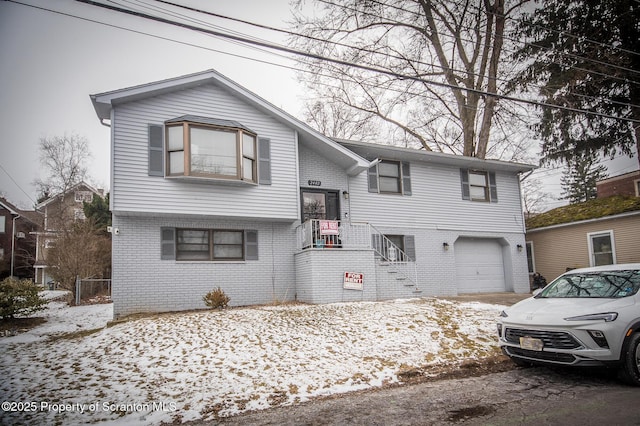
{"points": [[585, 317]]}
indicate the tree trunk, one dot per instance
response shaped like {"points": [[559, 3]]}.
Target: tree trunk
{"points": [[497, 10]]}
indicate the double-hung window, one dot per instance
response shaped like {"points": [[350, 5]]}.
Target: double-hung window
{"points": [[601, 248], [190, 244], [478, 185], [210, 148], [208, 244], [390, 177]]}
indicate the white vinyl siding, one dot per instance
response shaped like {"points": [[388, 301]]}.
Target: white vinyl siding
{"points": [[436, 203], [134, 191]]}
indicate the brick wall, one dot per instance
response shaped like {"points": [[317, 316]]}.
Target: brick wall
{"points": [[619, 185], [320, 275], [142, 282]]}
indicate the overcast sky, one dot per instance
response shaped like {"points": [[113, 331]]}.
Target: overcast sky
{"points": [[50, 63]]}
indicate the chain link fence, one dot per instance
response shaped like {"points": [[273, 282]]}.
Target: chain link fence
{"points": [[91, 291]]}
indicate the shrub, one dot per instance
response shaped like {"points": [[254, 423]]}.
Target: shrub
{"points": [[216, 299], [19, 298]]}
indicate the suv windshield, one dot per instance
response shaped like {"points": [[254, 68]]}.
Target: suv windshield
{"points": [[607, 284]]}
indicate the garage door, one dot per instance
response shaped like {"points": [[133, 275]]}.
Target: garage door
{"points": [[479, 265]]}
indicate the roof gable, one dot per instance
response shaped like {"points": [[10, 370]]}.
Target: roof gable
{"points": [[73, 188], [103, 103]]}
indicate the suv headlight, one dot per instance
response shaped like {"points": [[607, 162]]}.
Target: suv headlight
{"points": [[607, 317]]}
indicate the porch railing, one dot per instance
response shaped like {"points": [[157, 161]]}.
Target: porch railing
{"points": [[320, 234], [323, 234]]}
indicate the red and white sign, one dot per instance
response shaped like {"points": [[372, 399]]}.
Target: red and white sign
{"points": [[353, 281], [329, 227]]}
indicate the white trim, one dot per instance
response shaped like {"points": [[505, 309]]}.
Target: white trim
{"points": [[533, 256], [103, 104], [636, 185], [590, 236]]}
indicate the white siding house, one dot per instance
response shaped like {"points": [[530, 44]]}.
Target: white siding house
{"points": [[214, 186]]}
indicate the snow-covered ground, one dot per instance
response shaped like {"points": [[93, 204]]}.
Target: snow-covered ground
{"points": [[205, 364]]}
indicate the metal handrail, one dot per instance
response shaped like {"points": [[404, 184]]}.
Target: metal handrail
{"points": [[395, 257], [319, 234]]}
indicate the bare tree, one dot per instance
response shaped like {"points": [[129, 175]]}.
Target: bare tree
{"points": [[441, 60], [534, 199], [336, 120], [81, 251], [64, 158]]}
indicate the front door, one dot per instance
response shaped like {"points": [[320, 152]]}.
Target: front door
{"points": [[320, 204]]}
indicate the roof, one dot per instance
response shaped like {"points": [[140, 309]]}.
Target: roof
{"points": [[73, 188], [30, 215], [372, 151], [103, 104], [598, 208]]}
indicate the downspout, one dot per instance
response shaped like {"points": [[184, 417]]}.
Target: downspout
{"points": [[13, 242], [104, 124], [524, 224]]}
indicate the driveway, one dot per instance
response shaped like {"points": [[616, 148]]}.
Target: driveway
{"points": [[534, 396]]}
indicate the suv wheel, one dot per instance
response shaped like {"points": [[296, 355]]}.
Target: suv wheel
{"points": [[631, 361]]}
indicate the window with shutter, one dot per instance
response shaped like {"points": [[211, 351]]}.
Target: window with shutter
{"points": [[202, 147], [478, 185], [390, 177], [208, 244]]}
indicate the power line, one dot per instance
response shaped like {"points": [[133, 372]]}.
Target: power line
{"points": [[346, 63], [16, 183], [359, 48], [472, 29]]}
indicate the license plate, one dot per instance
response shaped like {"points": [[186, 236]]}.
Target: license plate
{"points": [[531, 344]]}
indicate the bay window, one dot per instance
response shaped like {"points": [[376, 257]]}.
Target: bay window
{"points": [[210, 148]]}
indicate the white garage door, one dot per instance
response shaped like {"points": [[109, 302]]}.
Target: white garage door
{"points": [[479, 265]]}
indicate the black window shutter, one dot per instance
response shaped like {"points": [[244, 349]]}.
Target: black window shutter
{"points": [[167, 243], [464, 181], [373, 178], [406, 178], [251, 245], [264, 161], [156, 151], [493, 189], [410, 246]]}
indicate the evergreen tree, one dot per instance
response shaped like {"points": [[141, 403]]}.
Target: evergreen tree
{"points": [[98, 212], [580, 177], [583, 55]]}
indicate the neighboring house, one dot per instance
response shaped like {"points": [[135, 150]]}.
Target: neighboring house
{"points": [[626, 184], [17, 245], [214, 186], [601, 231], [60, 211]]}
